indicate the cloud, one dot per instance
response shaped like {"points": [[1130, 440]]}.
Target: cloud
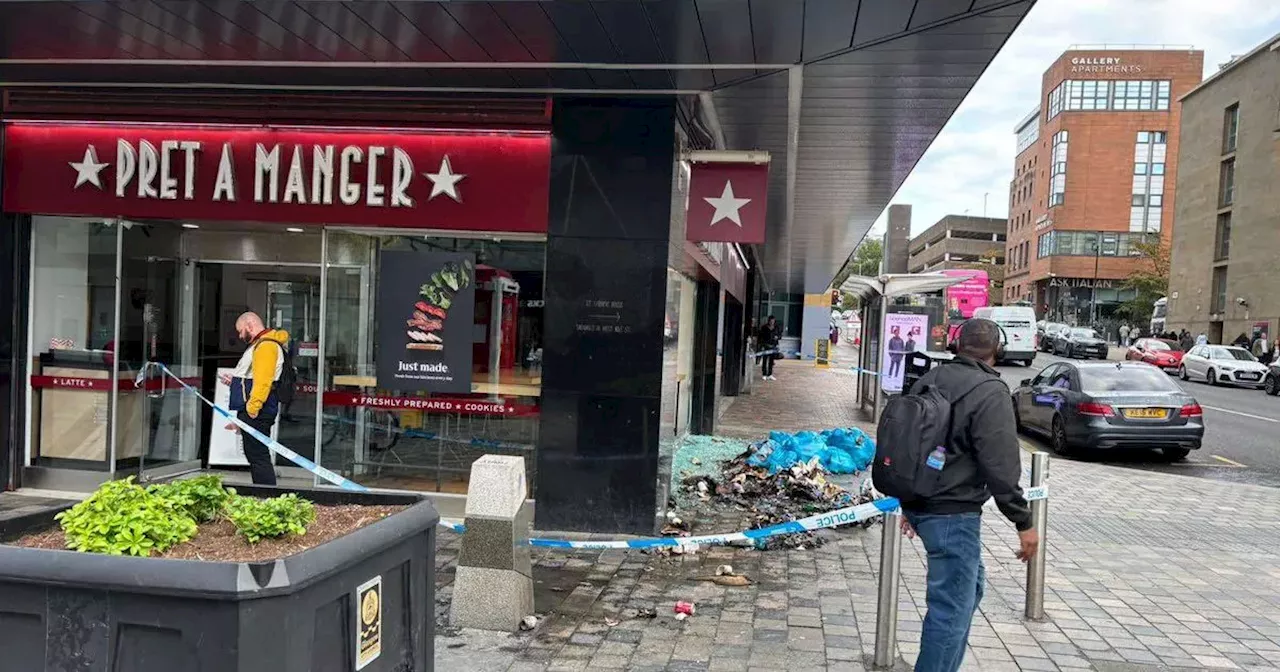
{"points": [[973, 156]]}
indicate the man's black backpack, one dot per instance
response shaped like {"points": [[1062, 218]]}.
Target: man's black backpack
{"points": [[286, 387], [911, 442]]}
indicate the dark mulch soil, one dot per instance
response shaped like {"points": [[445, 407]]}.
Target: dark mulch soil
{"points": [[218, 542]]}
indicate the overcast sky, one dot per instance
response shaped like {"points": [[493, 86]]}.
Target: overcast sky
{"points": [[974, 153]]}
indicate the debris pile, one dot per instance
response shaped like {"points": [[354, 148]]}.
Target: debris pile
{"points": [[771, 485]]}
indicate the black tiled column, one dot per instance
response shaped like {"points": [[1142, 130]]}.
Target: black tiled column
{"points": [[610, 222], [14, 263]]}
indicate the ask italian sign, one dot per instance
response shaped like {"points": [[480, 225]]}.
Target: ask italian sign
{"points": [[496, 181]]}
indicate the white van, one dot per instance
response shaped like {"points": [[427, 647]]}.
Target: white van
{"points": [[1019, 325]]}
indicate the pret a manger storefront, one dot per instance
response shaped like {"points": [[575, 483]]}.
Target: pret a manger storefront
{"points": [[407, 266]]}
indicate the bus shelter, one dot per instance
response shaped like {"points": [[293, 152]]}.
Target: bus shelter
{"points": [[874, 316]]}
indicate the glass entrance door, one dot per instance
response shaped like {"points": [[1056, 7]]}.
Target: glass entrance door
{"points": [[158, 418]]}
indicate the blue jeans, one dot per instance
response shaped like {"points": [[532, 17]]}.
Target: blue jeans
{"points": [[955, 581]]}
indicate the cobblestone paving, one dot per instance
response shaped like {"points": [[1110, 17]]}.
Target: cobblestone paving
{"points": [[1146, 571]]}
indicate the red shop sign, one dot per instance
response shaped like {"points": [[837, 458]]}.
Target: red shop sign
{"points": [[468, 406], [489, 181], [104, 384]]}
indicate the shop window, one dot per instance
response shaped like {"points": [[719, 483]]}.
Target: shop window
{"points": [[411, 400], [72, 368]]}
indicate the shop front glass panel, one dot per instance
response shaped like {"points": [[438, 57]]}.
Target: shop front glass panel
{"points": [[684, 354], [422, 440], [158, 422], [671, 379], [72, 338]]}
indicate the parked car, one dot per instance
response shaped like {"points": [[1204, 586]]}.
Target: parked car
{"points": [[1050, 331], [1158, 352], [1080, 342], [1271, 383], [1109, 405], [1218, 364]]}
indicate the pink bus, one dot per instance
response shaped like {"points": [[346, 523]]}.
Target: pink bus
{"points": [[964, 298]]}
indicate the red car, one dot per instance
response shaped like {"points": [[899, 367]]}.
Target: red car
{"points": [[1157, 352]]}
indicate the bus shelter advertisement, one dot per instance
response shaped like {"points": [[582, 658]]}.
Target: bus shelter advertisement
{"points": [[967, 296], [904, 333]]}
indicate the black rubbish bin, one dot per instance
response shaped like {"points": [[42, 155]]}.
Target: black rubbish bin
{"points": [[919, 363], [363, 601]]}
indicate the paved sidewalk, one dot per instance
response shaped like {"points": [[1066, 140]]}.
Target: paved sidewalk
{"points": [[1146, 571]]}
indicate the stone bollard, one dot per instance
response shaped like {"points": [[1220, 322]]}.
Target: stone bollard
{"points": [[493, 588]]}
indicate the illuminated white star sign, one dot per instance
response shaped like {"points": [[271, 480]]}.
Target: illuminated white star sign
{"points": [[727, 206], [89, 169], [445, 181]]}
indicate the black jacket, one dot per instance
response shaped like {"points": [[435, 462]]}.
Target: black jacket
{"points": [[984, 459], [767, 337]]}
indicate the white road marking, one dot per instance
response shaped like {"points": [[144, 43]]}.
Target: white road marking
{"points": [[1247, 415]]}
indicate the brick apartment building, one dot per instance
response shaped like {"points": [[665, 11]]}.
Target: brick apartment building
{"points": [[1094, 174], [1226, 236]]}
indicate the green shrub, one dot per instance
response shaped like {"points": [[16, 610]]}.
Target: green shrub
{"points": [[257, 519], [202, 497], [123, 518]]}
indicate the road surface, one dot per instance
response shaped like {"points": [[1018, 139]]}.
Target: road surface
{"points": [[1240, 440]]}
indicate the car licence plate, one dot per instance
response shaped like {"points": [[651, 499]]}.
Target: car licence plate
{"points": [[1250, 376], [1146, 413]]}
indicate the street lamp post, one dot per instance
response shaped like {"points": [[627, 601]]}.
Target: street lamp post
{"points": [[1093, 302]]}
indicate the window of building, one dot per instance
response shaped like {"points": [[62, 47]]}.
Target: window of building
{"points": [[1219, 290], [1088, 94], [1222, 242], [1230, 128], [1058, 176], [1146, 207], [1044, 245], [1055, 101], [1091, 243], [1227, 183]]}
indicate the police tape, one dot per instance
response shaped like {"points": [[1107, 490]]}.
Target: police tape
{"points": [[763, 353], [271, 444], [848, 515], [868, 372]]}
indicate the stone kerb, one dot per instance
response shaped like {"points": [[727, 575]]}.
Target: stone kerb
{"points": [[493, 588]]}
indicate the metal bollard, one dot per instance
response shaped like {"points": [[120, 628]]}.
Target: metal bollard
{"points": [[1040, 520], [887, 600]]}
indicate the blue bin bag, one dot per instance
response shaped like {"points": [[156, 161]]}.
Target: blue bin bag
{"points": [[839, 451]]}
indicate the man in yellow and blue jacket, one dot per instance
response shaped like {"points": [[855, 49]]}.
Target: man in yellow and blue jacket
{"points": [[254, 393]]}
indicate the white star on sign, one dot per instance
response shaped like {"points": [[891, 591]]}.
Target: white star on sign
{"points": [[88, 169], [445, 181], [727, 207]]}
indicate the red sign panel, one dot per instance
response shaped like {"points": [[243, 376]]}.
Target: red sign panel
{"points": [[104, 384], [727, 202], [439, 405], [474, 181]]}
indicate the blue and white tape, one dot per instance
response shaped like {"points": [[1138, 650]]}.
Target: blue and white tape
{"points": [[845, 516], [867, 372], [272, 444], [762, 353]]}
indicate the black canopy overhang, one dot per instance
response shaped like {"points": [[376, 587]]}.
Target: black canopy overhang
{"points": [[846, 96]]}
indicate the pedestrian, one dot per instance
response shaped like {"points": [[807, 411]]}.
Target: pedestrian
{"points": [[1202, 339], [1262, 347], [981, 461], [1275, 352], [1124, 334], [1186, 342], [1241, 341], [767, 341], [254, 394]]}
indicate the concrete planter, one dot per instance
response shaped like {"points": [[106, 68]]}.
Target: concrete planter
{"points": [[311, 612]]}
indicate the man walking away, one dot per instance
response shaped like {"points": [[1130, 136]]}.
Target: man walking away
{"points": [[1202, 339], [1124, 335], [1186, 342], [767, 340], [254, 393], [982, 460]]}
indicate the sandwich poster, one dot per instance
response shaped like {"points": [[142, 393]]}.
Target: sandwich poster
{"points": [[426, 315]]}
